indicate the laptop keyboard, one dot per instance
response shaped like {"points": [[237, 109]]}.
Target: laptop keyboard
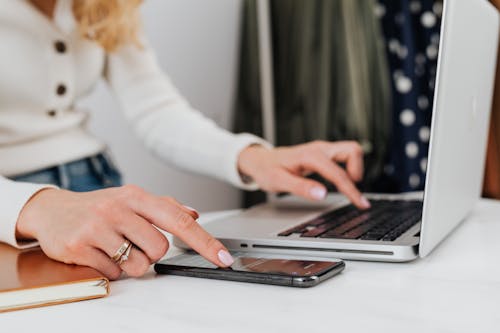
{"points": [[386, 220]]}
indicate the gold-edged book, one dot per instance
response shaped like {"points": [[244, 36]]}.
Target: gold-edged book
{"points": [[28, 279]]}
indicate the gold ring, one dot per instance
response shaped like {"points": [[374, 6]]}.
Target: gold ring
{"points": [[125, 256], [123, 248]]}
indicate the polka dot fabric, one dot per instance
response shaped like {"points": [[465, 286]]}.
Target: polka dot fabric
{"points": [[411, 30]]}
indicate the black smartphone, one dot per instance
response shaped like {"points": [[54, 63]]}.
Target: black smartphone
{"points": [[253, 268]]}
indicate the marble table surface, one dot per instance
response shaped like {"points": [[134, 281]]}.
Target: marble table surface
{"points": [[455, 289]]}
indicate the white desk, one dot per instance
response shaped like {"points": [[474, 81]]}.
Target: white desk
{"points": [[456, 289]]}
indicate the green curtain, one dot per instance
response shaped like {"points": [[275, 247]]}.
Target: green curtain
{"points": [[331, 76]]}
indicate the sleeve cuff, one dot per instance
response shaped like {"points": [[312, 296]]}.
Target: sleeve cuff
{"points": [[13, 197], [242, 141]]}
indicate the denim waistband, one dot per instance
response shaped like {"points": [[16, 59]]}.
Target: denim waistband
{"points": [[88, 174]]}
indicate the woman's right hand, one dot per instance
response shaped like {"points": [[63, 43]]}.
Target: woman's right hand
{"points": [[88, 228]]}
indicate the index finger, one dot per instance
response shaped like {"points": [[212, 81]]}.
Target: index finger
{"points": [[191, 233], [335, 174], [178, 222]]}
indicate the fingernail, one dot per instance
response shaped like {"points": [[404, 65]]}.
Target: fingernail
{"points": [[225, 257], [365, 203], [191, 209], [318, 193]]}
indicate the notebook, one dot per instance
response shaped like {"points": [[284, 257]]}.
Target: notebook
{"points": [[28, 279]]}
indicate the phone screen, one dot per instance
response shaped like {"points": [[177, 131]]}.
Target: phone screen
{"points": [[245, 262]]}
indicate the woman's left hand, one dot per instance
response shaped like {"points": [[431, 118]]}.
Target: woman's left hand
{"points": [[283, 169]]}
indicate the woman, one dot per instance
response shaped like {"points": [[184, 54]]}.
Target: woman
{"points": [[54, 52]]}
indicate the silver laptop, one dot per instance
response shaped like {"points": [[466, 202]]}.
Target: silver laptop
{"points": [[404, 226]]}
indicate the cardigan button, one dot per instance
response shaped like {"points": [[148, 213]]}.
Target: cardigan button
{"points": [[52, 113], [61, 89], [60, 46]]}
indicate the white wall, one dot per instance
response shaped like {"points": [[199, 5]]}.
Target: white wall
{"points": [[197, 45]]}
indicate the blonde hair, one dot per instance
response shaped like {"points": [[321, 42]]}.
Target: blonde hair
{"points": [[111, 23]]}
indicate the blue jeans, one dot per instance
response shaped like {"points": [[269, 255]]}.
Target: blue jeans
{"points": [[88, 174]]}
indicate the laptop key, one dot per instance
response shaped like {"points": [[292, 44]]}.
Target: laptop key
{"points": [[386, 220], [379, 231], [351, 224], [322, 219], [372, 236], [319, 226], [362, 229], [345, 223], [329, 224], [402, 228], [320, 230]]}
